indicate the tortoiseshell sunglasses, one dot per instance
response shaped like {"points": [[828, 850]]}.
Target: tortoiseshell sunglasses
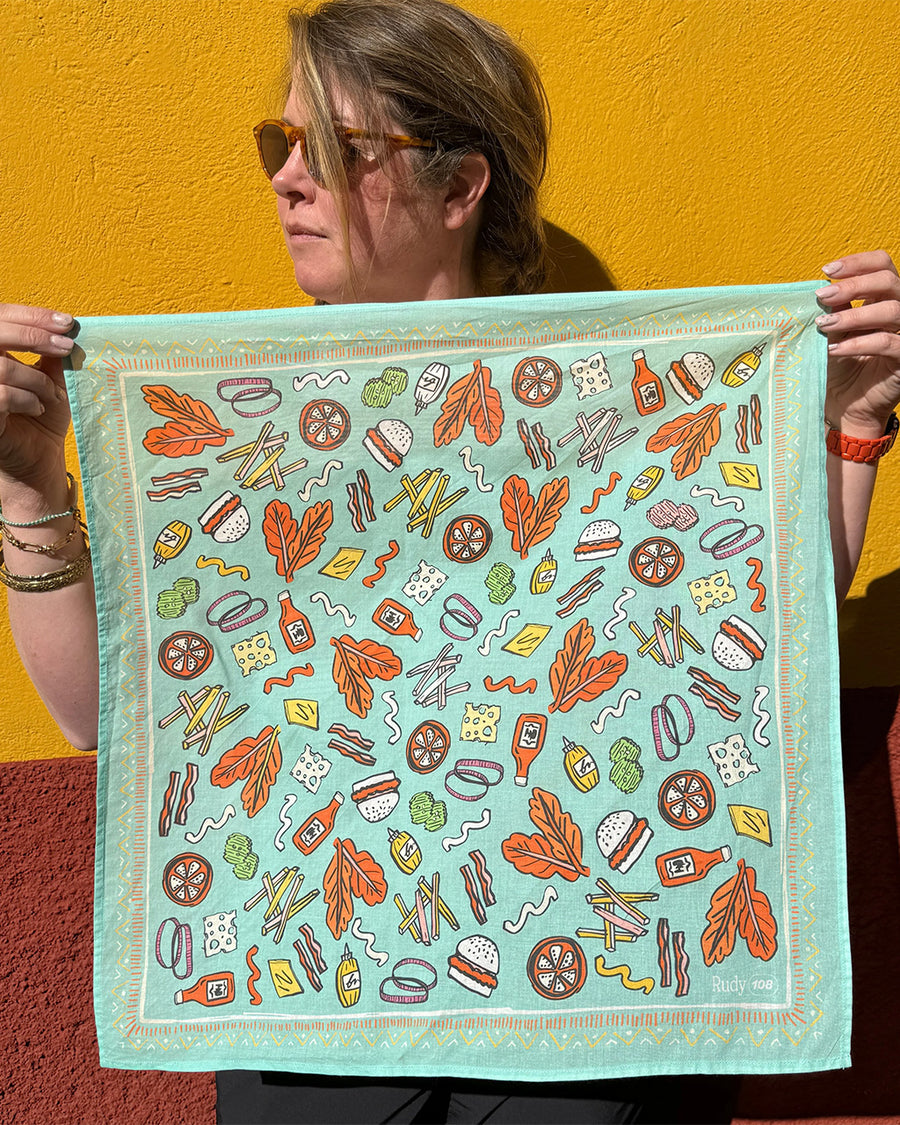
{"points": [[276, 139]]}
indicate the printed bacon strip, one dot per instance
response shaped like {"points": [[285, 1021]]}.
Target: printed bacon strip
{"points": [[683, 981], [664, 957]]}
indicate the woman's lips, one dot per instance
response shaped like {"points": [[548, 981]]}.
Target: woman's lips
{"points": [[301, 234]]}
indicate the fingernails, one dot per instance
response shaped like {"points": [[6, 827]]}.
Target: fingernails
{"points": [[833, 268], [63, 343], [828, 291], [65, 321], [826, 320]]}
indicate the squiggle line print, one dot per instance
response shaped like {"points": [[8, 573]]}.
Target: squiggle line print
{"points": [[287, 679], [619, 614], [220, 566], [759, 602], [614, 479], [333, 610], [306, 491], [618, 711], [474, 468], [645, 984], [255, 974], [530, 908], [196, 837], [286, 823], [759, 694], [715, 499], [391, 701], [510, 683], [377, 955], [321, 381], [380, 569], [485, 647], [465, 828]]}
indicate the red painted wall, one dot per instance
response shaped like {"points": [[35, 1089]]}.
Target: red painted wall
{"points": [[48, 1050]]}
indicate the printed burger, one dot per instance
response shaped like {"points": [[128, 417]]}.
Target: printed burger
{"points": [[599, 540], [376, 797], [474, 965]]}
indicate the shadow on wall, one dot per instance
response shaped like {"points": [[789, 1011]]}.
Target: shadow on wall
{"points": [[574, 268], [869, 639]]}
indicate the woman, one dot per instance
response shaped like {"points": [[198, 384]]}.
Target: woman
{"points": [[393, 182]]}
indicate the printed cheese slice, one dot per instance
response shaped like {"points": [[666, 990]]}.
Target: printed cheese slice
{"points": [[712, 592], [255, 653], [479, 724], [751, 822], [284, 978], [739, 474], [219, 933], [343, 563], [591, 375], [310, 769], [302, 712], [423, 583], [732, 759]]}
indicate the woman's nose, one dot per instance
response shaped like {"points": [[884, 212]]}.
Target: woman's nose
{"points": [[293, 177]]}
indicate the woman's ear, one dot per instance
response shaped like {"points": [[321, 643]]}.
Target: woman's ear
{"points": [[466, 189]]}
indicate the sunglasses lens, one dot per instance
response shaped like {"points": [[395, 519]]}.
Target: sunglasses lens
{"points": [[273, 147]]}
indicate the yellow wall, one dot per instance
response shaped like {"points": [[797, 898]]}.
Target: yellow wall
{"points": [[696, 142]]}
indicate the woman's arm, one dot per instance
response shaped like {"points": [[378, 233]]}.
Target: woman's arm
{"points": [[55, 630], [863, 388]]}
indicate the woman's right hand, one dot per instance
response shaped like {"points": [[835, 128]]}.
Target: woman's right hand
{"points": [[34, 408]]}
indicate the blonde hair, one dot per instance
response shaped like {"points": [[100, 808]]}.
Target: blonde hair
{"points": [[441, 74]]}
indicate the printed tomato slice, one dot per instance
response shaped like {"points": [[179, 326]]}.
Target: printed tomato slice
{"points": [[185, 655], [427, 746], [324, 424], [557, 968], [467, 539], [686, 799], [536, 381], [187, 879], [656, 561]]}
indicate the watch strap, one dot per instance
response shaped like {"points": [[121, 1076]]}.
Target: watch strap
{"points": [[862, 450]]}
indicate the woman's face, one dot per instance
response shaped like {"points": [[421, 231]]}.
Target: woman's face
{"points": [[399, 244]]}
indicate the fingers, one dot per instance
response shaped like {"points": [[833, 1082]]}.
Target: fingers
{"points": [[880, 285], [875, 317], [28, 390], [31, 329], [872, 261], [883, 344]]}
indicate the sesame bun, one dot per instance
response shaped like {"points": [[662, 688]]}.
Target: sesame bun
{"points": [[622, 837], [474, 965], [599, 540], [389, 442], [737, 646], [691, 375], [226, 519], [377, 796]]}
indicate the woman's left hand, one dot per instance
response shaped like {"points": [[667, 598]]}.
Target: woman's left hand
{"points": [[863, 342]]}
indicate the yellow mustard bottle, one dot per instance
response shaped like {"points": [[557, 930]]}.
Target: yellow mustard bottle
{"points": [[580, 766], [347, 979], [544, 574], [405, 852], [743, 368]]}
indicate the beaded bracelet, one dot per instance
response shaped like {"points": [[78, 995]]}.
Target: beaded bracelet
{"points": [[44, 548], [51, 580], [70, 511]]}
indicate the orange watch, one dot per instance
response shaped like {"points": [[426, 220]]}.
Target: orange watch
{"points": [[863, 450]]}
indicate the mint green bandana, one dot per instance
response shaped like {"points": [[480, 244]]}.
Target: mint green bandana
{"points": [[458, 709]]}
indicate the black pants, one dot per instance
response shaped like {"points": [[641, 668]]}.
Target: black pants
{"points": [[248, 1097]]}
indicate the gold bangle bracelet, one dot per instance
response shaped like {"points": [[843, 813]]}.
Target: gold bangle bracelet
{"points": [[52, 580]]}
